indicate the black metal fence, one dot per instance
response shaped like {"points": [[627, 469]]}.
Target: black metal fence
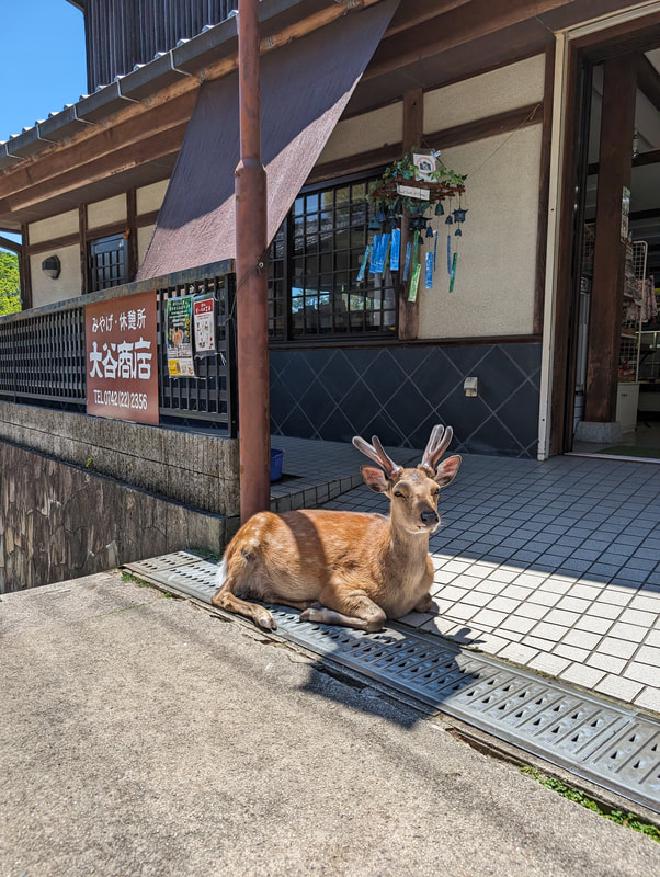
{"points": [[43, 353]]}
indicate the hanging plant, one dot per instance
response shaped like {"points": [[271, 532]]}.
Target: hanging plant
{"points": [[390, 198]]}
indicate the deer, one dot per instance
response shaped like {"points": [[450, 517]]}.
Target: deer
{"points": [[344, 568]]}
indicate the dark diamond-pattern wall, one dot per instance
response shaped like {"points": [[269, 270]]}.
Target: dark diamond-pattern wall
{"points": [[399, 392]]}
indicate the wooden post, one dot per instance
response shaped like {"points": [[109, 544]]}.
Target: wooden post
{"points": [[616, 143], [131, 233], [413, 127], [25, 268], [84, 256], [251, 278]]}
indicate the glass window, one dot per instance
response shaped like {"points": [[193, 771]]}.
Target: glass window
{"points": [[314, 262]]}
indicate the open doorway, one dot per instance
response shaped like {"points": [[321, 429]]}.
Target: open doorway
{"points": [[616, 392]]}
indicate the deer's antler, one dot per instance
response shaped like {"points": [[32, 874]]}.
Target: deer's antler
{"points": [[377, 453], [437, 444]]}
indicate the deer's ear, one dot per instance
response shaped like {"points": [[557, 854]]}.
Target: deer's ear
{"points": [[374, 478], [447, 470]]}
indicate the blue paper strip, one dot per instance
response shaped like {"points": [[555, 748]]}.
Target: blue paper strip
{"points": [[395, 250], [363, 264], [380, 252], [435, 249], [449, 254], [428, 269], [374, 252]]}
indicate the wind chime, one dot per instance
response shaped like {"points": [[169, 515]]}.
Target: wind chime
{"points": [[415, 186]]}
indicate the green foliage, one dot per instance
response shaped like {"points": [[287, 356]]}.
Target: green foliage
{"points": [[629, 820], [10, 284]]}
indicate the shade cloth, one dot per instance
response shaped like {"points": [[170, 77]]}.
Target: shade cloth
{"points": [[305, 88]]}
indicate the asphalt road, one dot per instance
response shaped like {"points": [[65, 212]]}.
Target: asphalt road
{"points": [[142, 736]]}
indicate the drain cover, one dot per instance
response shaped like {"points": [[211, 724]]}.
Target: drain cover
{"points": [[606, 744]]}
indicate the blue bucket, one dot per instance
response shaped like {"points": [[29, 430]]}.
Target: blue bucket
{"points": [[276, 464]]}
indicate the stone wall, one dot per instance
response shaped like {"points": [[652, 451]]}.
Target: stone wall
{"points": [[59, 521], [199, 469]]}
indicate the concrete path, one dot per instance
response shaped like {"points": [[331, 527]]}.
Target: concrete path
{"points": [[552, 565], [141, 736]]}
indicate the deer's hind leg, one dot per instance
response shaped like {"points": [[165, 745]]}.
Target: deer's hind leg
{"points": [[348, 608], [234, 569]]}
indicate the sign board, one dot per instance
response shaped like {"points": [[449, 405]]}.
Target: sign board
{"points": [[425, 165], [413, 192], [180, 362], [204, 323], [122, 358]]}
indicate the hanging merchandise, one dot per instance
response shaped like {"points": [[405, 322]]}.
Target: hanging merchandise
{"points": [[406, 264], [449, 254], [363, 264], [417, 267], [395, 249], [435, 249], [379, 255], [452, 280], [374, 253], [428, 269]]}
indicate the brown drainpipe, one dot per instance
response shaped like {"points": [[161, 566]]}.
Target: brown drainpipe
{"points": [[251, 279]]}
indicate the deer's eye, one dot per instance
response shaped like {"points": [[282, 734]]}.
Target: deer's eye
{"points": [[399, 495]]}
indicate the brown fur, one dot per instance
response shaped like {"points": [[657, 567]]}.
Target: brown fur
{"points": [[361, 568]]}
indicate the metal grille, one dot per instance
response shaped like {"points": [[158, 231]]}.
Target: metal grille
{"points": [[314, 261], [42, 359], [599, 741], [108, 262]]}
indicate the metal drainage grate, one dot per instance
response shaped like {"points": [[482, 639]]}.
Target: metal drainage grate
{"points": [[606, 744]]}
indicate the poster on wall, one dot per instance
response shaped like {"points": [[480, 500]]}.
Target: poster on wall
{"points": [[204, 324], [122, 358], [180, 362]]}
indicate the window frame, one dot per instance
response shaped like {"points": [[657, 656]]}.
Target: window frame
{"points": [[92, 271], [292, 336]]}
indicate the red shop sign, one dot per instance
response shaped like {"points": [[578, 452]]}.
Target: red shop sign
{"points": [[122, 358]]}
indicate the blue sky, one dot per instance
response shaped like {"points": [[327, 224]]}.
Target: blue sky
{"points": [[43, 61]]}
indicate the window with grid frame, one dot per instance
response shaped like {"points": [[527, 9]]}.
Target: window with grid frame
{"points": [[108, 262], [314, 262]]}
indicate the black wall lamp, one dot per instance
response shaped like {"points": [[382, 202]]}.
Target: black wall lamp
{"points": [[51, 266]]}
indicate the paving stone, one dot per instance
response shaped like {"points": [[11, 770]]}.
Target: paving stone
{"points": [[581, 675], [537, 642], [549, 664], [581, 638], [477, 598], [532, 610], [462, 611], [489, 618], [619, 648], [443, 577], [573, 604], [593, 624], [544, 598], [643, 673], [604, 610], [616, 595], [649, 698], [645, 604], [617, 686], [487, 586], [558, 616], [416, 619], [653, 639], [518, 653], [643, 619], [627, 631], [502, 604], [503, 575], [606, 662], [456, 566], [648, 655], [553, 632], [519, 623], [571, 652]]}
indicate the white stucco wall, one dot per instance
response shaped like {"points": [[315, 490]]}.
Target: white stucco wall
{"points": [[107, 211], [368, 131], [494, 292], [54, 227], [151, 197], [506, 88], [45, 290], [144, 239]]}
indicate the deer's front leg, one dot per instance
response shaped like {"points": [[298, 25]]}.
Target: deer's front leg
{"points": [[350, 610]]}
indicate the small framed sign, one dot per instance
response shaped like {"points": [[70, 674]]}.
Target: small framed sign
{"points": [[204, 324]]}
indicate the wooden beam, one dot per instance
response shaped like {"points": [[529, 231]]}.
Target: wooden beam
{"points": [[25, 269], [651, 156], [410, 14], [648, 80], [131, 229], [147, 219], [66, 240], [8, 244], [544, 190], [151, 148], [457, 27], [413, 133], [83, 227], [616, 136]]}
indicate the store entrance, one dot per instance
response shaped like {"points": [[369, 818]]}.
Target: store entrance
{"points": [[616, 391]]}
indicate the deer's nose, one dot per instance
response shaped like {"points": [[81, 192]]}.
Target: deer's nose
{"points": [[428, 516]]}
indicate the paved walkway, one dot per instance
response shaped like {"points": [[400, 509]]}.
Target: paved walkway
{"points": [[554, 565]]}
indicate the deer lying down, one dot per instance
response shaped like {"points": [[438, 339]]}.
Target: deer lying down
{"points": [[344, 567]]}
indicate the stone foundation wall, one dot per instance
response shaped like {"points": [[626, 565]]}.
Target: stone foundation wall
{"points": [[197, 468], [59, 521]]}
